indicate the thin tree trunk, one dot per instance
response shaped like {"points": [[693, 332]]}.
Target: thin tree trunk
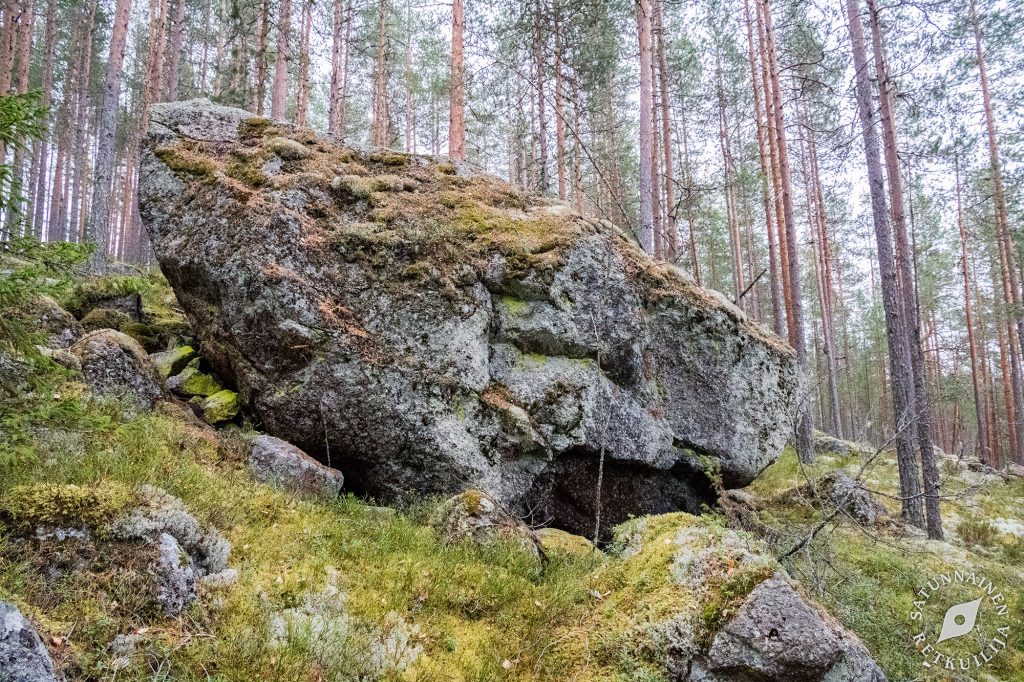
{"points": [[643, 18], [559, 106], [42, 170], [177, 32], [457, 112], [263, 40], [979, 408], [542, 121], [302, 96], [805, 427], [381, 118], [279, 94], [671, 217], [99, 228], [899, 353], [1008, 260]]}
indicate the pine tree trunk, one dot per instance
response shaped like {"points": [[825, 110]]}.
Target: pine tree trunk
{"points": [[99, 222], [542, 120], [559, 106], [1011, 282], [41, 172], [899, 352], [279, 94], [671, 229], [177, 32], [263, 40], [983, 447], [911, 315], [804, 427], [643, 18], [457, 94], [381, 118], [302, 95]]}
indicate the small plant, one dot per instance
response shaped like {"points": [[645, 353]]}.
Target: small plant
{"points": [[977, 532]]}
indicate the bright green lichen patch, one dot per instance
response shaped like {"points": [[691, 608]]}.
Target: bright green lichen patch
{"points": [[65, 505]]}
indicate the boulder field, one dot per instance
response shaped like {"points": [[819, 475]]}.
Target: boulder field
{"points": [[427, 329]]}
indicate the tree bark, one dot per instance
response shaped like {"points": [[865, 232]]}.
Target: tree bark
{"points": [[177, 32], [302, 95], [263, 40], [643, 19], [984, 451], [542, 120], [805, 427], [381, 118], [671, 217], [457, 94], [899, 352], [99, 223], [279, 94], [1008, 259], [559, 105]]}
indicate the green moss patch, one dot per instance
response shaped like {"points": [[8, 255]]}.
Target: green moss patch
{"points": [[65, 505]]}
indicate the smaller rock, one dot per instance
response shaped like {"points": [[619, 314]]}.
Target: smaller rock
{"points": [[61, 356], [106, 318], [60, 326], [191, 382], [220, 407], [280, 463], [23, 657], [1014, 469], [476, 516], [843, 491], [777, 637], [556, 541], [288, 150], [172, 362], [825, 444], [115, 365]]}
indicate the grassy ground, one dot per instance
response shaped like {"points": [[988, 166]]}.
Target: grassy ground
{"points": [[474, 613]]}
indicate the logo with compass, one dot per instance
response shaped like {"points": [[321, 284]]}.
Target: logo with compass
{"points": [[962, 620]]}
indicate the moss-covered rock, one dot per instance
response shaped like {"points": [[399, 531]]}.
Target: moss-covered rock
{"points": [[553, 540], [222, 406], [192, 381], [171, 362], [288, 149], [345, 303], [106, 318]]}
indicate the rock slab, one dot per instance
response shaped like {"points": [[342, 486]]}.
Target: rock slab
{"points": [[23, 657], [278, 462]]}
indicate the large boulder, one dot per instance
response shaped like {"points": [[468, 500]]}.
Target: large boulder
{"points": [[23, 657], [436, 331]]}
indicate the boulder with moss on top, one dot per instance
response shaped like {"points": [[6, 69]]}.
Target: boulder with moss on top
{"points": [[445, 330]]}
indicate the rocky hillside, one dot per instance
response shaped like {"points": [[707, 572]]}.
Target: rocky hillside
{"points": [[193, 481]]}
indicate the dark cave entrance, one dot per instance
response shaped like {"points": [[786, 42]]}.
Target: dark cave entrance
{"points": [[565, 496]]}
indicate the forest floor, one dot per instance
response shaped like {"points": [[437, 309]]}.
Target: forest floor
{"points": [[461, 611]]}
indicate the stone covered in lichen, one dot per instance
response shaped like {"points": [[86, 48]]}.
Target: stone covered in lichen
{"points": [[440, 329]]}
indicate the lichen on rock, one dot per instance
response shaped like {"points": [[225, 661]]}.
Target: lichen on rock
{"points": [[373, 304]]}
